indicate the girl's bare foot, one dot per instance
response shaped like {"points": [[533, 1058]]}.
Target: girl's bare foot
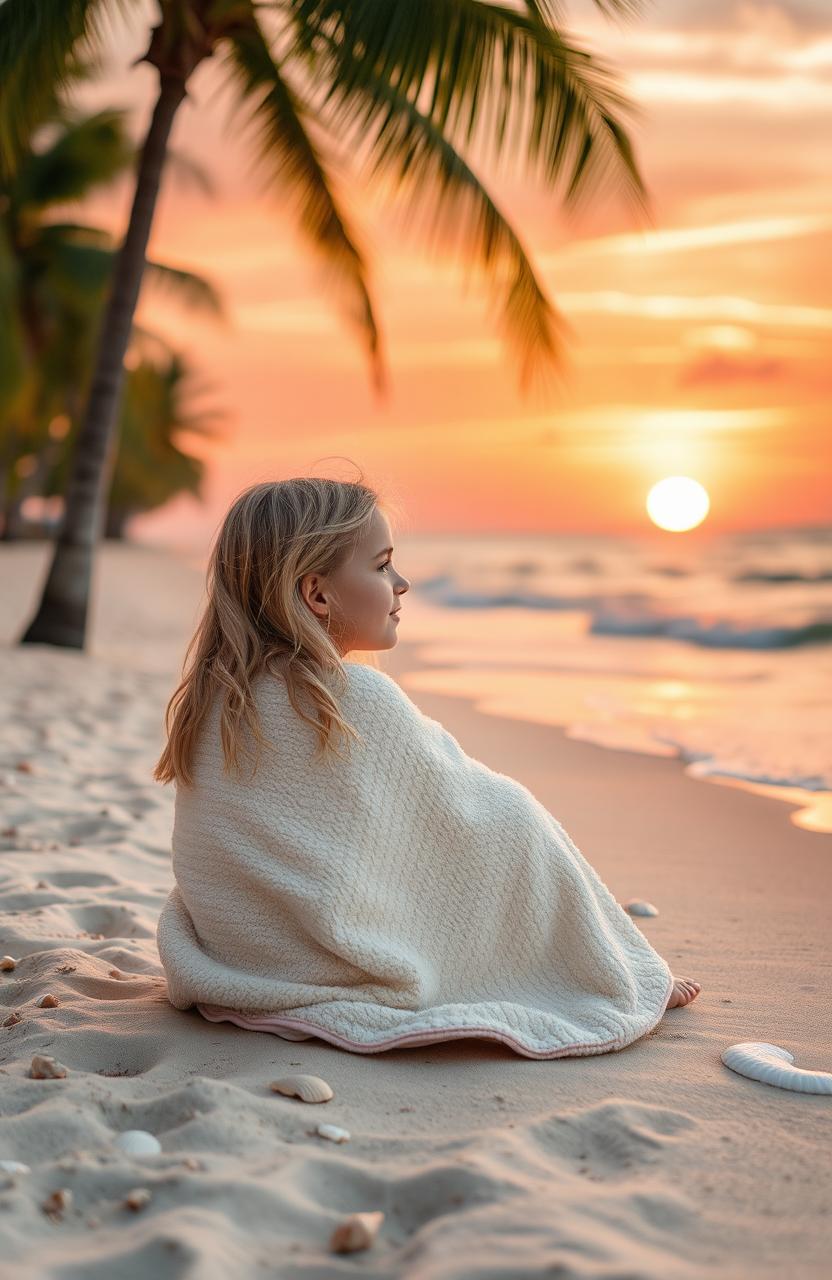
{"points": [[684, 990]]}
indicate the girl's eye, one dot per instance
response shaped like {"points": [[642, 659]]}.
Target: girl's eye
{"points": [[386, 565]]}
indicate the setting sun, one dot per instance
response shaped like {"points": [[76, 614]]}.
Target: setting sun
{"points": [[677, 504]]}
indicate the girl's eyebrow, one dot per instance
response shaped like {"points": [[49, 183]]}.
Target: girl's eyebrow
{"points": [[382, 553]]}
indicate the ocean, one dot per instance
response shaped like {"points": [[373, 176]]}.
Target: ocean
{"points": [[718, 653]]}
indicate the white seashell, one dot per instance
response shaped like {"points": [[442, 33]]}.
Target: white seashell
{"points": [[358, 1231], [13, 1166], [773, 1065], [637, 908], [137, 1142], [333, 1132], [307, 1088], [8, 963], [44, 1068], [48, 1001]]}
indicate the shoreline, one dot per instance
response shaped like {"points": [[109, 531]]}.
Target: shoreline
{"points": [[404, 659]]}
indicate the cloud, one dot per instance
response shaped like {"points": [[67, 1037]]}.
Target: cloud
{"points": [[716, 369], [705, 307], [677, 239]]}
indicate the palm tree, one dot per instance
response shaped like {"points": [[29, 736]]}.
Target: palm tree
{"points": [[161, 400], [53, 278], [299, 67]]}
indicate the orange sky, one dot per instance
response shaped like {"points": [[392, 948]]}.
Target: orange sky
{"points": [[701, 343]]}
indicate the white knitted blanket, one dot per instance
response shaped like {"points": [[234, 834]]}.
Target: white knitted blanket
{"points": [[408, 896]]}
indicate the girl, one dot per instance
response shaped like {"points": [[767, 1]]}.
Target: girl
{"points": [[402, 893]]}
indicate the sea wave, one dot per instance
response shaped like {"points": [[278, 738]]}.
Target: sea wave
{"points": [[634, 614]]}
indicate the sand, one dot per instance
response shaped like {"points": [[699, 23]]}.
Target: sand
{"points": [[655, 1161]]}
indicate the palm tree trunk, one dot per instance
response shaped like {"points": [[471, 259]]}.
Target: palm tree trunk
{"points": [[61, 617]]}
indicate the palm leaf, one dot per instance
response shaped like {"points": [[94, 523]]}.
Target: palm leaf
{"points": [[552, 13], [294, 163], [13, 361], [190, 289], [488, 65], [413, 148], [79, 266], [43, 46], [191, 171], [87, 153]]}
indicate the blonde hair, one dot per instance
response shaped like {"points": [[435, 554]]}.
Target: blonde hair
{"points": [[256, 620]]}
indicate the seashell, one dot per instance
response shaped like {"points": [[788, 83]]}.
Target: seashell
{"points": [[637, 908], [48, 1002], [333, 1132], [44, 1068], [137, 1198], [772, 1065], [137, 1142], [358, 1231], [115, 973], [307, 1088], [59, 1200], [13, 1017], [8, 963], [13, 1166]]}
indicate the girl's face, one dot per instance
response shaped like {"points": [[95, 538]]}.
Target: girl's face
{"points": [[361, 595]]}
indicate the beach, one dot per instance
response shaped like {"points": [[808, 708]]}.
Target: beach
{"points": [[656, 1161]]}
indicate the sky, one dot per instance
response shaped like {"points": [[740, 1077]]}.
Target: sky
{"points": [[700, 332]]}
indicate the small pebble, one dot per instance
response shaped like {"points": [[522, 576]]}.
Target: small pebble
{"points": [[42, 884], [66, 968], [332, 1131], [25, 766], [358, 1231], [191, 1162], [8, 963], [44, 1068], [59, 1201], [137, 1198], [137, 1142], [48, 1002], [635, 907]]}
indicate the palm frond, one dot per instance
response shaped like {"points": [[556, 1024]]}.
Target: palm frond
{"points": [[44, 45], [488, 65], [405, 142], [87, 153], [190, 289], [552, 12], [191, 171], [295, 164], [13, 362]]}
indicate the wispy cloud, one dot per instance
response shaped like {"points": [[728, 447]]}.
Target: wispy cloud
{"points": [[687, 239], [708, 307]]}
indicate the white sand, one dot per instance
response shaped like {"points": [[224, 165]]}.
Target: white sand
{"points": [[656, 1161]]}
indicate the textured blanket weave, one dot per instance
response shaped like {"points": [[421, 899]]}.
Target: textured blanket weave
{"points": [[409, 895]]}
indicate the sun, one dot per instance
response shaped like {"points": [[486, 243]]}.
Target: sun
{"points": [[677, 503]]}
